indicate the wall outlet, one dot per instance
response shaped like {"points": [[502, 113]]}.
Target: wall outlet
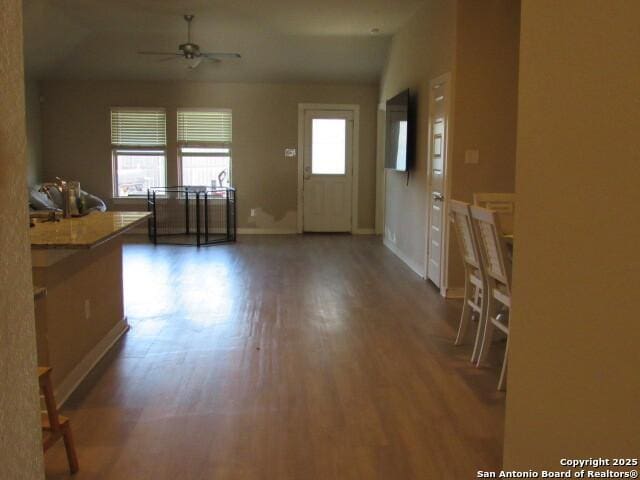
{"points": [[87, 309], [290, 152], [253, 212], [390, 235], [472, 157]]}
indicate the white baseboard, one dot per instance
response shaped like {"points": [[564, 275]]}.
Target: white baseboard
{"points": [[267, 231], [418, 269], [67, 386], [241, 231], [258, 231]]}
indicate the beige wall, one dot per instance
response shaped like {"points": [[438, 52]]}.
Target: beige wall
{"points": [[486, 100], [420, 51], [76, 137], [486, 105], [20, 447], [34, 132], [478, 43], [573, 382]]}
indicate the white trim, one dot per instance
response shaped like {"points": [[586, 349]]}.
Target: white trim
{"points": [[300, 202], [258, 231], [114, 167], [355, 157], [250, 231], [418, 269], [203, 109], [447, 189], [267, 231], [444, 251], [138, 109], [67, 386], [142, 200], [226, 145], [381, 184]]}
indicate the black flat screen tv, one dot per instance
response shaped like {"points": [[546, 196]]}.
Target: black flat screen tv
{"points": [[399, 133]]}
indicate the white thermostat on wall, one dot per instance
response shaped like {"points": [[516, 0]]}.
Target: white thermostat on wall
{"points": [[289, 152]]}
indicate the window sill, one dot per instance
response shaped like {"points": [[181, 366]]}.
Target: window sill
{"points": [[128, 200]]}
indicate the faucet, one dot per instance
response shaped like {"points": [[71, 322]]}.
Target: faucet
{"points": [[63, 187]]}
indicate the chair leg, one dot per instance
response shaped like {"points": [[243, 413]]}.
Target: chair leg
{"points": [[503, 372], [70, 447], [467, 311], [489, 328], [481, 325]]}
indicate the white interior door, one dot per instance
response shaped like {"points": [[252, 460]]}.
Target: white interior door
{"points": [[327, 170], [438, 117]]}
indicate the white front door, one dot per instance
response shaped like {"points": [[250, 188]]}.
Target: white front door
{"points": [[327, 170], [438, 116]]}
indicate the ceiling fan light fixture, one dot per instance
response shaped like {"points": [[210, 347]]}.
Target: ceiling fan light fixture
{"points": [[191, 51]]}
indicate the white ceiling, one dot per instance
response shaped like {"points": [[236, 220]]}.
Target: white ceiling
{"points": [[280, 40]]}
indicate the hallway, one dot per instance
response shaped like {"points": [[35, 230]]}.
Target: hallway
{"points": [[283, 357]]}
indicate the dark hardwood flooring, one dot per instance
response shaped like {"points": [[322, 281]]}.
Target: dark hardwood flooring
{"points": [[283, 357]]}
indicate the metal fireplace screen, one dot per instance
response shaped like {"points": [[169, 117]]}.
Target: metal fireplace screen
{"points": [[192, 215]]}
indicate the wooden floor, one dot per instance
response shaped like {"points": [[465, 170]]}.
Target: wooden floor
{"points": [[283, 357]]}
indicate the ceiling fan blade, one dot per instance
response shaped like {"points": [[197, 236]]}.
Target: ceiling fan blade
{"points": [[195, 63], [220, 55], [167, 59], [161, 53]]}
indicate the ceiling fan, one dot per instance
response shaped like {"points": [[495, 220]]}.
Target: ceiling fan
{"points": [[191, 51]]}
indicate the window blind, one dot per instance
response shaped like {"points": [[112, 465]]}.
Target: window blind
{"points": [[138, 127], [204, 126]]}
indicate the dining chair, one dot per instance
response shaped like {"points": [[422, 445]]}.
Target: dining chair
{"points": [[502, 203], [475, 283], [497, 268]]}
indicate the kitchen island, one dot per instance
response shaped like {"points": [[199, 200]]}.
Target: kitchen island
{"points": [[79, 262]]}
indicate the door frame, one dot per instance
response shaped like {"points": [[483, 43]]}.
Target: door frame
{"points": [[381, 172], [355, 155], [444, 252]]}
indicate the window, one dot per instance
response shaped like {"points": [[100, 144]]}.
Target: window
{"points": [[328, 146], [204, 147], [139, 150]]}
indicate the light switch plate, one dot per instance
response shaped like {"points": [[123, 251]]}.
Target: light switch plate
{"points": [[290, 152], [472, 157]]}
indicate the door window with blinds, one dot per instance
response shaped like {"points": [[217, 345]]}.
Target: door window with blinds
{"points": [[204, 147], [139, 150]]}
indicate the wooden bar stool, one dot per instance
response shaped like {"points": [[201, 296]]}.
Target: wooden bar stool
{"points": [[54, 425]]}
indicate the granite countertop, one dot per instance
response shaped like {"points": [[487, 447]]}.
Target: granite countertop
{"points": [[84, 232]]}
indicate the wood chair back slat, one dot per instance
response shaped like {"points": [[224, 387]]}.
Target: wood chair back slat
{"points": [[492, 246], [461, 217]]}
